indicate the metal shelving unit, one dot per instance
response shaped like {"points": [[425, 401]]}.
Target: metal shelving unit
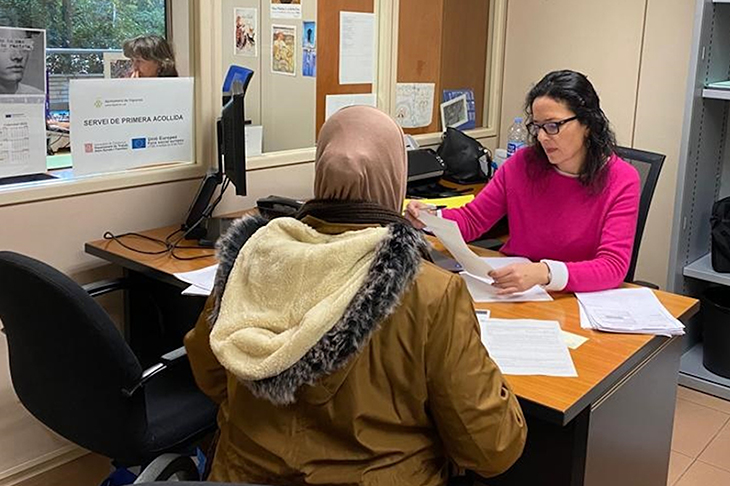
{"points": [[703, 177]]}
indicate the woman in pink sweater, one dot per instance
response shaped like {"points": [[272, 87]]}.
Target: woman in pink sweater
{"points": [[571, 203]]}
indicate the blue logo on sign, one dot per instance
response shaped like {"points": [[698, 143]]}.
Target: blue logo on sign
{"points": [[139, 143]]}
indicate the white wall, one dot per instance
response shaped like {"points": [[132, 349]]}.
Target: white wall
{"points": [[636, 53]]}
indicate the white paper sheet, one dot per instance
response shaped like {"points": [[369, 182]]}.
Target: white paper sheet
{"points": [[334, 103], [283, 11], [357, 48], [201, 280], [414, 104], [527, 347], [636, 311], [22, 135], [448, 233]]}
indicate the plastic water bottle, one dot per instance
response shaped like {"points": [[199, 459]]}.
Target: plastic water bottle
{"points": [[517, 137]]}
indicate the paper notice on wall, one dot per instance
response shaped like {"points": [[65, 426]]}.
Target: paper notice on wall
{"points": [[334, 103], [414, 104], [119, 124], [22, 135], [357, 48], [286, 10]]}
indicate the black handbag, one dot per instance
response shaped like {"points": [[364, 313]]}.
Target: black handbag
{"points": [[720, 224], [464, 158]]}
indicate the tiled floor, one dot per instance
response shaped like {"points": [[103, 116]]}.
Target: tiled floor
{"points": [[701, 441]]}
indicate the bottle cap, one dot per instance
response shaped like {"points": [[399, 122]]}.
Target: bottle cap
{"points": [[518, 119]]}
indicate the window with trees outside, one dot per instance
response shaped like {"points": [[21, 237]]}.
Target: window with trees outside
{"points": [[83, 38]]}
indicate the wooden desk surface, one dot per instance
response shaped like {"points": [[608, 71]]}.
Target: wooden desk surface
{"points": [[601, 361]]}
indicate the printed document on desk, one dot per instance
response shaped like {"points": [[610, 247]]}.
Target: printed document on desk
{"points": [[201, 280], [527, 347], [481, 289], [633, 311]]}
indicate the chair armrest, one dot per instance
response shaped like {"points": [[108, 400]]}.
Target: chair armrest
{"points": [[166, 361], [101, 287]]}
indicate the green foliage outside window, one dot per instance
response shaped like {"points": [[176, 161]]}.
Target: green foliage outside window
{"points": [[84, 24]]}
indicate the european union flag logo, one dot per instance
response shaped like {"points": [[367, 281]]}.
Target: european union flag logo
{"points": [[139, 143]]}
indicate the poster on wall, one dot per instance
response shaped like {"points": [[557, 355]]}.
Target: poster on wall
{"points": [[22, 135], [283, 49], [22, 61], [357, 48], [414, 104], [245, 30], [286, 9], [309, 49], [120, 124]]}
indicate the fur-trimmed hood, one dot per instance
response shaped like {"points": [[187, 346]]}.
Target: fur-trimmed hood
{"points": [[293, 305]]}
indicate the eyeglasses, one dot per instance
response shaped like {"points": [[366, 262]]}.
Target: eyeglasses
{"points": [[551, 128]]}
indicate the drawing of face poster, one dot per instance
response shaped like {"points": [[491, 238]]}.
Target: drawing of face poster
{"points": [[245, 32], [283, 49]]}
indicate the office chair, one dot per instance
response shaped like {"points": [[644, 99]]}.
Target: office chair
{"points": [[649, 165], [74, 372]]}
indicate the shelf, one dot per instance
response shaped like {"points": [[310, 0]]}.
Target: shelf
{"points": [[716, 94], [702, 270], [693, 374]]}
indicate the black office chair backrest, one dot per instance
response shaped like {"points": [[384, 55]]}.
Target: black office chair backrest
{"points": [[68, 362], [649, 165]]}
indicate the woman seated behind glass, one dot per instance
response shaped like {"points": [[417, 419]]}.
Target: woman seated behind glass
{"points": [[338, 353], [151, 56], [571, 203]]}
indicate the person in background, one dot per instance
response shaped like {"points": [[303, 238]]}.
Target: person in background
{"points": [[151, 56], [337, 352], [571, 203], [16, 46]]}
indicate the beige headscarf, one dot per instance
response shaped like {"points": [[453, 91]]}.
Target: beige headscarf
{"points": [[361, 155]]}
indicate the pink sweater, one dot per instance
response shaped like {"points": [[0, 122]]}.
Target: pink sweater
{"points": [[555, 218]]}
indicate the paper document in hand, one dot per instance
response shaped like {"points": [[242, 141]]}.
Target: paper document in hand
{"points": [[448, 233], [628, 311], [202, 278], [481, 290], [527, 347]]}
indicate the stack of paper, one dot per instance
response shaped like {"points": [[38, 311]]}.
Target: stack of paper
{"points": [[201, 281], [635, 311], [526, 346], [476, 269]]}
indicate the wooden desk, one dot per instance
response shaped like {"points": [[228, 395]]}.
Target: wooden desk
{"points": [[611, 425]]}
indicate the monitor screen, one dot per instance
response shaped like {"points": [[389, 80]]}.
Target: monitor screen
{"points": [[232, 142]]}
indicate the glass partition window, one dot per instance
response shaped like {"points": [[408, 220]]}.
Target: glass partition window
{"points": [[84, 40]]}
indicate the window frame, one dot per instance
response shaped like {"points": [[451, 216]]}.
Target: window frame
{"points": [[204, 57]]}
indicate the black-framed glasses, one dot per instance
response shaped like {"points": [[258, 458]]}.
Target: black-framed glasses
{"points": [[551, 128]]}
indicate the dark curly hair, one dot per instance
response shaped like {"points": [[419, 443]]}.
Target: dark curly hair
{"points": [[578, 94]]}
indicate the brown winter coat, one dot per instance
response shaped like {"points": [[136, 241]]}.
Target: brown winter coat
{"points": [[417, 399]]}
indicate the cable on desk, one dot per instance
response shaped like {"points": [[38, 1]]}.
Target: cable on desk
{"points": [[169, 244]]}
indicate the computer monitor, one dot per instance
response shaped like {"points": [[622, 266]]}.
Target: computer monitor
{"points": [[232, 142]]}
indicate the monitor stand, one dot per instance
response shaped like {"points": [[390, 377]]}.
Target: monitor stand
{"points": [[214, 228]]}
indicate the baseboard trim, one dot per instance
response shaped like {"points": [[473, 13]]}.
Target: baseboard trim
{"points": [[41, 464]]}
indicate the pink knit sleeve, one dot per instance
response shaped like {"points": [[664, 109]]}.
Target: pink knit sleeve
{"points": [[484, 211], [608, 269]]}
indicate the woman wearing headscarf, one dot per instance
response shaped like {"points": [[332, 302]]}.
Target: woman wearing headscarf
{"points": [[337, 352]]}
